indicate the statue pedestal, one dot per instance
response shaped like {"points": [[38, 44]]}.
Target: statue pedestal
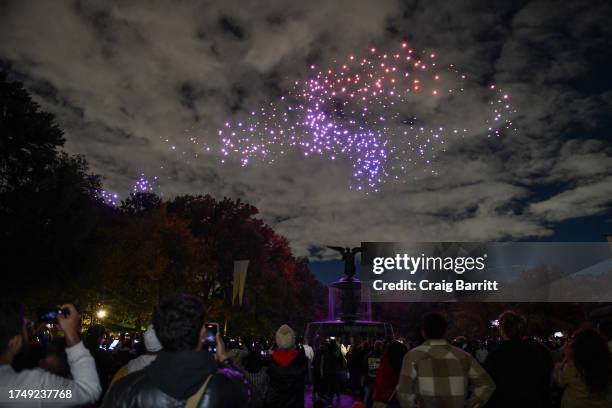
{"points": [[350, 298]]}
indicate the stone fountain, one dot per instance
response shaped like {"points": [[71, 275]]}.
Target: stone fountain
{"points": [[349, 316]]}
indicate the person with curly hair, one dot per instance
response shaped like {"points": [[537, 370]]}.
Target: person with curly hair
{"points": [[183, 373], [585, 373]]}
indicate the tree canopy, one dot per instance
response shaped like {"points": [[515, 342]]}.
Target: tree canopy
{"points": [[65, 244]]}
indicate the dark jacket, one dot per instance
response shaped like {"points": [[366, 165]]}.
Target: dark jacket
{"points": [[521, 371], [385, 382], [287, 370], [174, 377]]}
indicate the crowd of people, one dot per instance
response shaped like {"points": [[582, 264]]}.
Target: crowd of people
{"points": [[509, 370], [171, 364]]}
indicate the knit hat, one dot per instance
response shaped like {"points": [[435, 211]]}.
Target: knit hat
{"points": [[152, 344], [285, 337]]}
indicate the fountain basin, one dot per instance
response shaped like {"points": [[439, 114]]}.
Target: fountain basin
{"points": [[350, 332]]}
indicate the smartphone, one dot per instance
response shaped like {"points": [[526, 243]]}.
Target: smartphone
{"points": [[49, 314], [212, 329]]}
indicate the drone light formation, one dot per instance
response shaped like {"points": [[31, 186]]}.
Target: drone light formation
{"points": [[361, 109], [106, 197], [141, 185]]}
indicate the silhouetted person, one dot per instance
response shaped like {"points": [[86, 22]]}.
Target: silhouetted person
{"points": [[387, 377], [372, 362], [105, 365], [318, 386], [255, 370], [520, 368], [152, 349], [183, 372], [331, 364], [605, 328], [585, 373]]}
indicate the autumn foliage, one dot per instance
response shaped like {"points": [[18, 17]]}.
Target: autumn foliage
{"points": [[60, 243], [189, 245]]}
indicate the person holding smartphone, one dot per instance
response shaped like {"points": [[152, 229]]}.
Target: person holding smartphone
{"points": [[38, 387], [184, 372]]}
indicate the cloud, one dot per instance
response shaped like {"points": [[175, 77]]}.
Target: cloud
{"points": [[583, 200], [582, 160], [141, 87]]}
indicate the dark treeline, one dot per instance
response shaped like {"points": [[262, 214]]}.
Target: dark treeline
{"points": [[61, 242]]}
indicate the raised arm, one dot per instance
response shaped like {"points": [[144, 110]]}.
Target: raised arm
{"points": [[85, 385]]}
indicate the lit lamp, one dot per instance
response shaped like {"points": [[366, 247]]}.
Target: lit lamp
{"points": [[101, 314]]}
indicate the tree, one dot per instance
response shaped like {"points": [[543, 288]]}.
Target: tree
{"points": [[140, 203], [46, 211], [146, 257], [30, 137], [279, 288]]}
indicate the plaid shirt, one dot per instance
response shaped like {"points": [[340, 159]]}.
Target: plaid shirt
{"points": [[438, 375]]}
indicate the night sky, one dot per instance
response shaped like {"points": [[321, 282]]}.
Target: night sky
{"points": [[135, 83]]}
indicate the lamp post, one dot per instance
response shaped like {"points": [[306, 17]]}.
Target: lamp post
{"points": [[101, 314]]}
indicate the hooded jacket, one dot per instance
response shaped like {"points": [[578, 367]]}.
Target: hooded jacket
{"points": [[287, 370], [174, 377]]}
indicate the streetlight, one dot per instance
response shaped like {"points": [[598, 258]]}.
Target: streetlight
{"points": [[101, 314]]}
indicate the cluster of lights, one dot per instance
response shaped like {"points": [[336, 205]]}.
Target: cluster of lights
{"points": [[142, 185], [361, 109], [106, 197]]}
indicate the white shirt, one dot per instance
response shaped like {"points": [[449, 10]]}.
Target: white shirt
{"points": [[309, 352], [84, 387]]}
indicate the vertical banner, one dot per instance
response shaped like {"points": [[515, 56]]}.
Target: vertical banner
{"points": [[240, 272]]}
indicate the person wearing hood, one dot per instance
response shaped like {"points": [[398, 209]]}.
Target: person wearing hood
{"points": [[255, 370], [183, 374], [287, 370], [153, 347]]}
